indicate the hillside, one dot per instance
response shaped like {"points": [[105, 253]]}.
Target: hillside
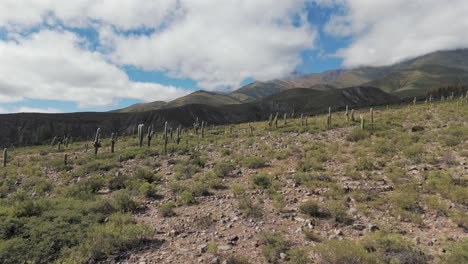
{"points": [[142, 107], [391, 191], [417, 81], [203, 97], [30, 128]]}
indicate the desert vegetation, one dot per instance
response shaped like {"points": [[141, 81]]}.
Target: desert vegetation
{"points": [[387, 185]]}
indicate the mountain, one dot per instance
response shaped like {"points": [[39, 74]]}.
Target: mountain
{"points": [[34, 128], [204, 97], [418, 80], [198, 97], [142, 107], [257, 90]]}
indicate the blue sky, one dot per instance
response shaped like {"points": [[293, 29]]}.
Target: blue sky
{"points": [[67, 56]]}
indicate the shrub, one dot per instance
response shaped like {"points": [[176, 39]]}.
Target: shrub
{"points": [[149, 190], [273, 245], [344, 251], [339, 212], [357, 134], [237, 260], [146, 174], [123, 201], [312, 208], [249, 208], [457, 253], [254, 162], [186, 197], [167, 209], [393, 248], [222, 169], [262, 181]]}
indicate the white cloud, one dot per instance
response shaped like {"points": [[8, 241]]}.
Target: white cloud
{"points": [[124, 14], [220, 43], [385, 32], [54, 65]]}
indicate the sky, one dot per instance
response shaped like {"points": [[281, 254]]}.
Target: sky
{"points": [[98, 55]]}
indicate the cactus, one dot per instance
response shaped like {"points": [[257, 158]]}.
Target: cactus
{"points": [[414, 100], [362, 122], [65, 157], [179, 128], [97, 141], [302, 119], [285, 117], [86, 147], [113, 140], [329, 118], [276, 120], [442, 98], [292, 114], [202, 129], [59, 145], [251, 129], [372, 116], [270, 120], [347, 114], [165, 138], [170, 132], [196, 125], [5, 157], [140, 134], [150, 135], [53, 141], [306, 121], [352, 115]]}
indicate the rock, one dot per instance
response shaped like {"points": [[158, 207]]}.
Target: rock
{"points": [[214, 260], [373, 228], [338, 232], [359, 226], [173, 233], [203, 248], [224, 248], [233, 238], [283, 255]]}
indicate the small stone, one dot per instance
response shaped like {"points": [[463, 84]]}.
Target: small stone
{"points": [[233, 238], [203, 248], [283, 255], [215, 260], [359, 226], [373, 228], [224, 248]]}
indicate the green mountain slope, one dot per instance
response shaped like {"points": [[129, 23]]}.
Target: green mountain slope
{"points": [[417, 81], [203, 97], [142, 107]]}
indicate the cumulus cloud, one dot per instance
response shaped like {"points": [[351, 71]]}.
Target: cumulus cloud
{"points": [[221, 43], [216, 43], [386, 32], [55, 66], [124, 14]]}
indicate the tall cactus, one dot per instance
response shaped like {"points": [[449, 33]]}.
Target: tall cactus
{"points": [[347, 114], [276, 120], [150, 134], [362, 121], [414, 100], [5, 157], [270, 120], [165, 138], [179, 128], [352, 115], [372, 117], [140, 134], [113, 140], [53, 141], [302, 119], [285, 117], [202, 129], [97, 141], [329, 118]]}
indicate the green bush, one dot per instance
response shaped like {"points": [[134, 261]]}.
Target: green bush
{"points": [[123, 201], [273, 245], [262, 181], [186, 198], [312, 208], [457, 252], [149, 190], [249, 208], [357, 134], [344, 251], [167, 209]]}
